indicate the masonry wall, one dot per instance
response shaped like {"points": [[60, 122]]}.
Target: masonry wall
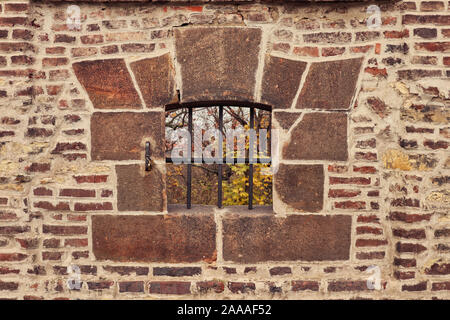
{"points": [[364, 163]]}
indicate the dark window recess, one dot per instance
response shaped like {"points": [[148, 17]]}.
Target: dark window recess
{"points": [[235, 174]]}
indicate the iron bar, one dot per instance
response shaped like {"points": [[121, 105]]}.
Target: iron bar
{"points": [[250, 156], [219, 182], [189, 166], [235, 160], [189, 159]]}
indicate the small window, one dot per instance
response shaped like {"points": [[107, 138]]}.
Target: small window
{"points": [[218, 154]]}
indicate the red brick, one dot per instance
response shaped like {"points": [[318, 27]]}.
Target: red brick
{"points": [[170, 287], [369, 230], [435, 144], [104, 206], [38, 167], [404, 275], [409, 247], [139, 271], [279, 271], [358, 181], [301, 285], [8, 257], [80, 193], [396, 34], [13, 21], [10, 230], [55, 50], [241, 287], [100, 285], [422, 286], [131, 286], [306, 51], [64, 230], [16, 7], [76, 242], [370, 255], [176, 272], [60, 206], [370, 242], [8, 286], [91, 179], [408, 218], [438, 269], [438, 286], [54, 62], [432, 6], [64, 38], [342, 193], [51, 243], [437, 20], [409, 234], [92, 39], [213, 285], [407, 263], [22, 34], [53, 256], [357, 205], [365, 169], [338, 286], [405, 202]]}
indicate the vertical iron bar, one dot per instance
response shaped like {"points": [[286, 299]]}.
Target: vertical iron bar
{"points": [[250, 156], [269, 141], [189, 166], [220, 158]]}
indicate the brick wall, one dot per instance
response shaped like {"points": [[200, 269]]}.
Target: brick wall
{"points": [[364, 173]]}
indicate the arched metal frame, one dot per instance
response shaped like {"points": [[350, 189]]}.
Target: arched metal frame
{"points": [[250, 160]]}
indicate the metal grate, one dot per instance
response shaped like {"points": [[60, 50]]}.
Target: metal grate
{"points": [[251, 160]]}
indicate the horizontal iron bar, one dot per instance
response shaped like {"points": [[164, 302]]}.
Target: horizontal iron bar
{"points": [[235, 160], [201, 104]]}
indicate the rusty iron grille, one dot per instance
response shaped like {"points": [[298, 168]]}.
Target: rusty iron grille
{"points": [[250, 159]]}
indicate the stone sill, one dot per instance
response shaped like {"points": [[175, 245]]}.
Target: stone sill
{"points": [[216, 1], [210, 209]]}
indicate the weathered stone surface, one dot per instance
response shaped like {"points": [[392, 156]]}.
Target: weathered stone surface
{"points": [[281, 80], [266, 238], [330, 85], [122, 135], [300, 186], [139, 190], [155, 78], [108, 84], [154, 238], [217, 63], [286, 119], [318, 136]]}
